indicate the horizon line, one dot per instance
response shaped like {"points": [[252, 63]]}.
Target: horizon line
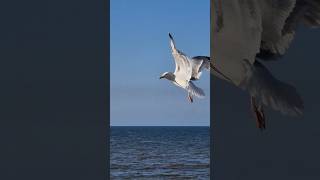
{"points": [[159, 126]]}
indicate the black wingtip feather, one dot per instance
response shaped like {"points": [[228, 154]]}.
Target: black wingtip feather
{"points": [[201, 57], [170, 36]]}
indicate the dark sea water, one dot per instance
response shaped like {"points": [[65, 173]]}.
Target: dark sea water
{"points": [[159, 153]]}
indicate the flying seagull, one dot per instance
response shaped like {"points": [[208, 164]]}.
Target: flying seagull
{"points": [[245, 33], [186, 71]]}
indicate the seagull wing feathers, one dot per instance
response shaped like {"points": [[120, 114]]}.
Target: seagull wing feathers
{"points": [[183, 69]]}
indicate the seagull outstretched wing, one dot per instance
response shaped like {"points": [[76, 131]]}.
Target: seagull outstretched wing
{"points": [[199, 63], [183, 69]]}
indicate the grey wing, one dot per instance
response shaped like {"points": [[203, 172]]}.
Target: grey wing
{"points": [[199, 63], [281, 22], [194, 90], [183, 64]]}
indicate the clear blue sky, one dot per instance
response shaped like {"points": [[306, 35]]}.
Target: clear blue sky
{"points": [[140, 53]]}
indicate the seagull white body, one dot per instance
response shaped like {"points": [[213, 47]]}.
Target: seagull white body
{"points": [[245, 32], [187, 69]]}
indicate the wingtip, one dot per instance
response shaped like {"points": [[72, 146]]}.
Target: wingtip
{"points": [[170, 36]]}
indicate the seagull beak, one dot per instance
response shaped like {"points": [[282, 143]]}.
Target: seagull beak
{"points": [[161, 77]]}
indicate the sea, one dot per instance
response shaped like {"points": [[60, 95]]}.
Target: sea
{"points": [[159, 153]]}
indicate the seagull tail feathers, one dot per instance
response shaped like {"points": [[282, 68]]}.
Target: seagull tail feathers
{"points": [[195, 91], [271, 92]]}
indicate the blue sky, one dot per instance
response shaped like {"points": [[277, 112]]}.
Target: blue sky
{"points": [[140, 53]]}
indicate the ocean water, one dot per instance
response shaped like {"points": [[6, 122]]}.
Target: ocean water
{"points": [[159, 153]]}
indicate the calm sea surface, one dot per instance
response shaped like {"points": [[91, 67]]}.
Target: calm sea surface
{"points": [[159, 153]]}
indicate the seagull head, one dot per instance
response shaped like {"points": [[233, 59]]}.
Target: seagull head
{"points": [[167, 75]]}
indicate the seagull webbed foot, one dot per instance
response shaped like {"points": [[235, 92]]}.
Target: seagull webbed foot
{"points": [[258, 114], [190, 98]]}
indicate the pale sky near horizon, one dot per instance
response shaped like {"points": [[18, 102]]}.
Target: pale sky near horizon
{"points": [[140, 53]]}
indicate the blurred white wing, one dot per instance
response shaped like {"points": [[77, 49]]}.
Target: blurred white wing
{"points": [[274, 15], [250, 28], [236, 36], [280, 20], [244, 30]]}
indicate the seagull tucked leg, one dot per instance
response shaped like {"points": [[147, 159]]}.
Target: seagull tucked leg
{"points": [[258, 113], [190, 98]]}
